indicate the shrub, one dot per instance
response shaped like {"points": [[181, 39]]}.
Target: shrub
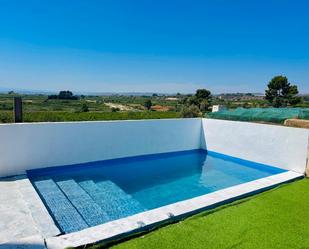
{"points": [[191, 112]]}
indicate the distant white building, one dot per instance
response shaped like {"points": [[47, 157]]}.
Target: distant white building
{"points": [[216, 108]]}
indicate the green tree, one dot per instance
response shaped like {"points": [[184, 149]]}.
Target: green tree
{"points": [[115, 109], [204, 105], [281, 93], [63, 95], [85, 108], [201, 99], [202, 94], [148, 104], [191, 111]]}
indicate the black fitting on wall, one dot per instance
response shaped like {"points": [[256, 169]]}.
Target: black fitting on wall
{"points": [[18, 110]]}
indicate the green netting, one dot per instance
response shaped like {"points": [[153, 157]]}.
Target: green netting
{"points": [[304, 114], [275, 115]]}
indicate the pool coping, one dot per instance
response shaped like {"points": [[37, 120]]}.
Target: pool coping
{"points": [[40, 215], [144, 221]]}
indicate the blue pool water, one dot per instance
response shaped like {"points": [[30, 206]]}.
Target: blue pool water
{"points": [[85, 195]]}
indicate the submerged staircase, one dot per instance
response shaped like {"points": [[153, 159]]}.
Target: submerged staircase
{"points": [[76, 204]]}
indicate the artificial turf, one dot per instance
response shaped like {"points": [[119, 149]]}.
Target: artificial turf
{"points": [[278, 218]]}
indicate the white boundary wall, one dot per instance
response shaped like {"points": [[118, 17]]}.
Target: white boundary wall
{"points": [[38, 145], [279, 146]]}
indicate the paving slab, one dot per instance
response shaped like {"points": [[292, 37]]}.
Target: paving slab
{"points": [[32, 242], [22, 213], [15, 218], [43, 221], [25, 222]]}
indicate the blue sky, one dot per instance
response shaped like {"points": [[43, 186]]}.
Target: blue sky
{"points": [[153, 46]]}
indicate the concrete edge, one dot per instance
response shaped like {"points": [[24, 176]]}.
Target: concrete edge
{"points": [[133, 224], [257, 123], [32, 242], [41, 217], [98, 121]]}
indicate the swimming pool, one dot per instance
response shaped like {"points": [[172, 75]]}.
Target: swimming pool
{"points": [[86, 195]]}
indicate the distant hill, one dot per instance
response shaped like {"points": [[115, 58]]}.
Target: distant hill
{"points": [[24, 91], [46, 92], [28, 91]]}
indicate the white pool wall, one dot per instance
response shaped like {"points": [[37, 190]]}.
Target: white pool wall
{"points": [[280, 146], [38, 145]]}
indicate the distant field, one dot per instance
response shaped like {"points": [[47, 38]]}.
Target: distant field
{"points": [[38, 108], [48, 116], [41, 108]]}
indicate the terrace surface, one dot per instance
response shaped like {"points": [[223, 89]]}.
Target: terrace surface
{"points": [[274, 219], [25, 222], [24, 219]]}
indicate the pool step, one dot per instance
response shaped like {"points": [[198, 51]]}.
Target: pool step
{"points": [[67, 217], [111, 198], [87, 208]]}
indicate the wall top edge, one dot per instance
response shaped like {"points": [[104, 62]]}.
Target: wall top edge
{"points": [[256, 123], [99, 121]]}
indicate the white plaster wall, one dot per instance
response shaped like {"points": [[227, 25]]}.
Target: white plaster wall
{"points": [[279, 146], [38, 145]]}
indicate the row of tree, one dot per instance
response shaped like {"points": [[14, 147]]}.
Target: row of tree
{"points": [[64, 95], [279, 93]]}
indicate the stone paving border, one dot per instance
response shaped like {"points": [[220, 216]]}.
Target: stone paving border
{"points": [[25, 219], [16, 220], [32, 242], [44, 222], [146, 220]]}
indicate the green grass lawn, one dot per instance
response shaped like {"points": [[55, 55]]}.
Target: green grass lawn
{"points": [[278, 218]]}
